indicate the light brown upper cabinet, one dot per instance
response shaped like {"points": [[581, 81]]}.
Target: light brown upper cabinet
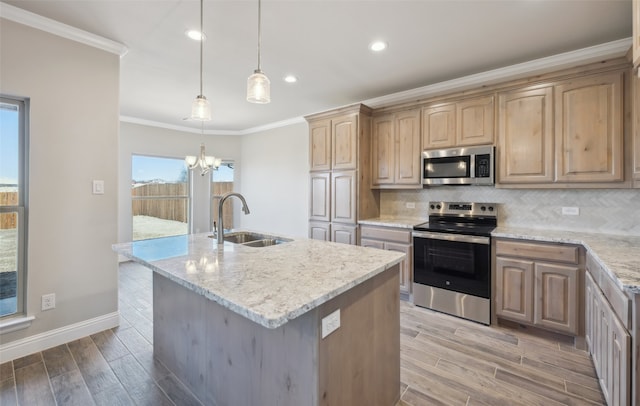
{"points": [[439, 126], [588, 129], [320, 140], [474, 124], [562, 133], [525, 136], [636, 35], [463, 123], [334, 143], [344, 139], [395, 151]]}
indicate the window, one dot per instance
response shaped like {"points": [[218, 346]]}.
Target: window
{"points": [[221, 183], [13, 203], [160, 197]]}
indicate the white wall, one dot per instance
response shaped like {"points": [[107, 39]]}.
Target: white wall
{"points": [[144, 140], [73, 90], [275, 180]]}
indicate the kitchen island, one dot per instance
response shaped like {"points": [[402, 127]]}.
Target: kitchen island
{"points": [[241, 325]]}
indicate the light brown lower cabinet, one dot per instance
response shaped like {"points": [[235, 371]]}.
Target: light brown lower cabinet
{"points": [[609, 344], [392, 239], [344, 233], [533, 290]]}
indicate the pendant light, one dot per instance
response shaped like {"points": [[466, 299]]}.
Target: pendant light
{"points": [[258, 84], [200, 108]]}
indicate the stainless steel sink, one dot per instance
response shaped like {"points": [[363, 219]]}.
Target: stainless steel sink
{"points": [[251, 239]]}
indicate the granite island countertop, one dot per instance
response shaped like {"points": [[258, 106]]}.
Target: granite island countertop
{"points": [[268, 285], [619, 255]]}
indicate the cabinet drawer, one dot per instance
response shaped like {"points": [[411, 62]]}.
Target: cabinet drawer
{"points": [[387, 234], [548, 252]]}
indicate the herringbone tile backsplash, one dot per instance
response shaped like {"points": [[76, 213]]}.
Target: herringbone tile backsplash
{"points": [[603, 210]]}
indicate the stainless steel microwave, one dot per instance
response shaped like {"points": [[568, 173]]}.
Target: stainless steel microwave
{"points": [[458, 166]]}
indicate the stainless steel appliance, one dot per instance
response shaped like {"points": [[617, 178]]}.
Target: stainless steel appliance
{"points": [[452, 259], [458, 166]]}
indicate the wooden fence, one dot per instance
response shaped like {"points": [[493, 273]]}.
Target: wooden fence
{"points": [[162, 200], [8, 221], [155, 200]]}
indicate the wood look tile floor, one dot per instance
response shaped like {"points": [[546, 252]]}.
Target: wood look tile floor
{"points": [[444, 361]]}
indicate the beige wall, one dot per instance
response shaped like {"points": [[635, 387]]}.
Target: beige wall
{"points": [[73, 90], [275, 179], [145, 140]]}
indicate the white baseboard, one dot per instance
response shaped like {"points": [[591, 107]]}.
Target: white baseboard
{"points": [[39, 342]]}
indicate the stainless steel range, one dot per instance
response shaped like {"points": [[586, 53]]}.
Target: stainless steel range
{"points": [[452, 259]]}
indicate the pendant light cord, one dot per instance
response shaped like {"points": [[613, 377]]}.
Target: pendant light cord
{"points": [[201, 41], [259, 30]]}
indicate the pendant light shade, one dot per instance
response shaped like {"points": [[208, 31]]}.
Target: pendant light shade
{"points": [[258, 88], [201, 109], [258, 84]]}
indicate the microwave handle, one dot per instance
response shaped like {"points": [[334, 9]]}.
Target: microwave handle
{"points": [[453, 237]]}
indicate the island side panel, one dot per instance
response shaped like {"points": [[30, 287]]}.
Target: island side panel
{"points": [[360, 361], [226, 359]]}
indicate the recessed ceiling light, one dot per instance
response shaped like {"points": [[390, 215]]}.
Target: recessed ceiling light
{"points": [[290, 79], [378, 46], [196, 35]]}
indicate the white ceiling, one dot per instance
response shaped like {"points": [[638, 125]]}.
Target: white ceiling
{"points": [[324, 43]]}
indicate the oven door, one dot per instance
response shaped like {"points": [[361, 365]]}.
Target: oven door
{"points": [[455, 262]]}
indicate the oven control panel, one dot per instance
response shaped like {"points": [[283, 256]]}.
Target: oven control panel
{"points": [[463, 209]]}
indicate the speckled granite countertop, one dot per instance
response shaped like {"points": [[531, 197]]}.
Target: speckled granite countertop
{"points": [[268, 285], [619, 255], [399, 222]]}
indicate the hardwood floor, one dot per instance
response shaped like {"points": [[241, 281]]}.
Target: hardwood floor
{"points": [[444, 361]]}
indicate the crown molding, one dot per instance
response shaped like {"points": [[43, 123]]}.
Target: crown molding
{"points": [[39, 22], [569, 59], [252, 130]]}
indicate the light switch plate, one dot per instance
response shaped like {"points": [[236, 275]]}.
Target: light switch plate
{"points": [[330, 323], [410, 205], [98, 187]]}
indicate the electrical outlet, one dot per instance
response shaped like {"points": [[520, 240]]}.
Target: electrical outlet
{"points": [[330, 323], [49, 301], [570, 211], [410, 205]]}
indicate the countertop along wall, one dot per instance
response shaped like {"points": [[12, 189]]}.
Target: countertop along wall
{"points": [[613, 211], [73, 91]]}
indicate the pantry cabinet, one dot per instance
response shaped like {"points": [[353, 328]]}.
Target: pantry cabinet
{"points": [[395, 153], [392, 239], [539, 284], [463, 123], [339, 173]]}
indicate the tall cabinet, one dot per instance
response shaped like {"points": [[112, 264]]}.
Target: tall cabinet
{"points": [[339, 171]]}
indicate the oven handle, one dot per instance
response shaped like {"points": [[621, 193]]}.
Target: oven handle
{"points": [[453, 237]]}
